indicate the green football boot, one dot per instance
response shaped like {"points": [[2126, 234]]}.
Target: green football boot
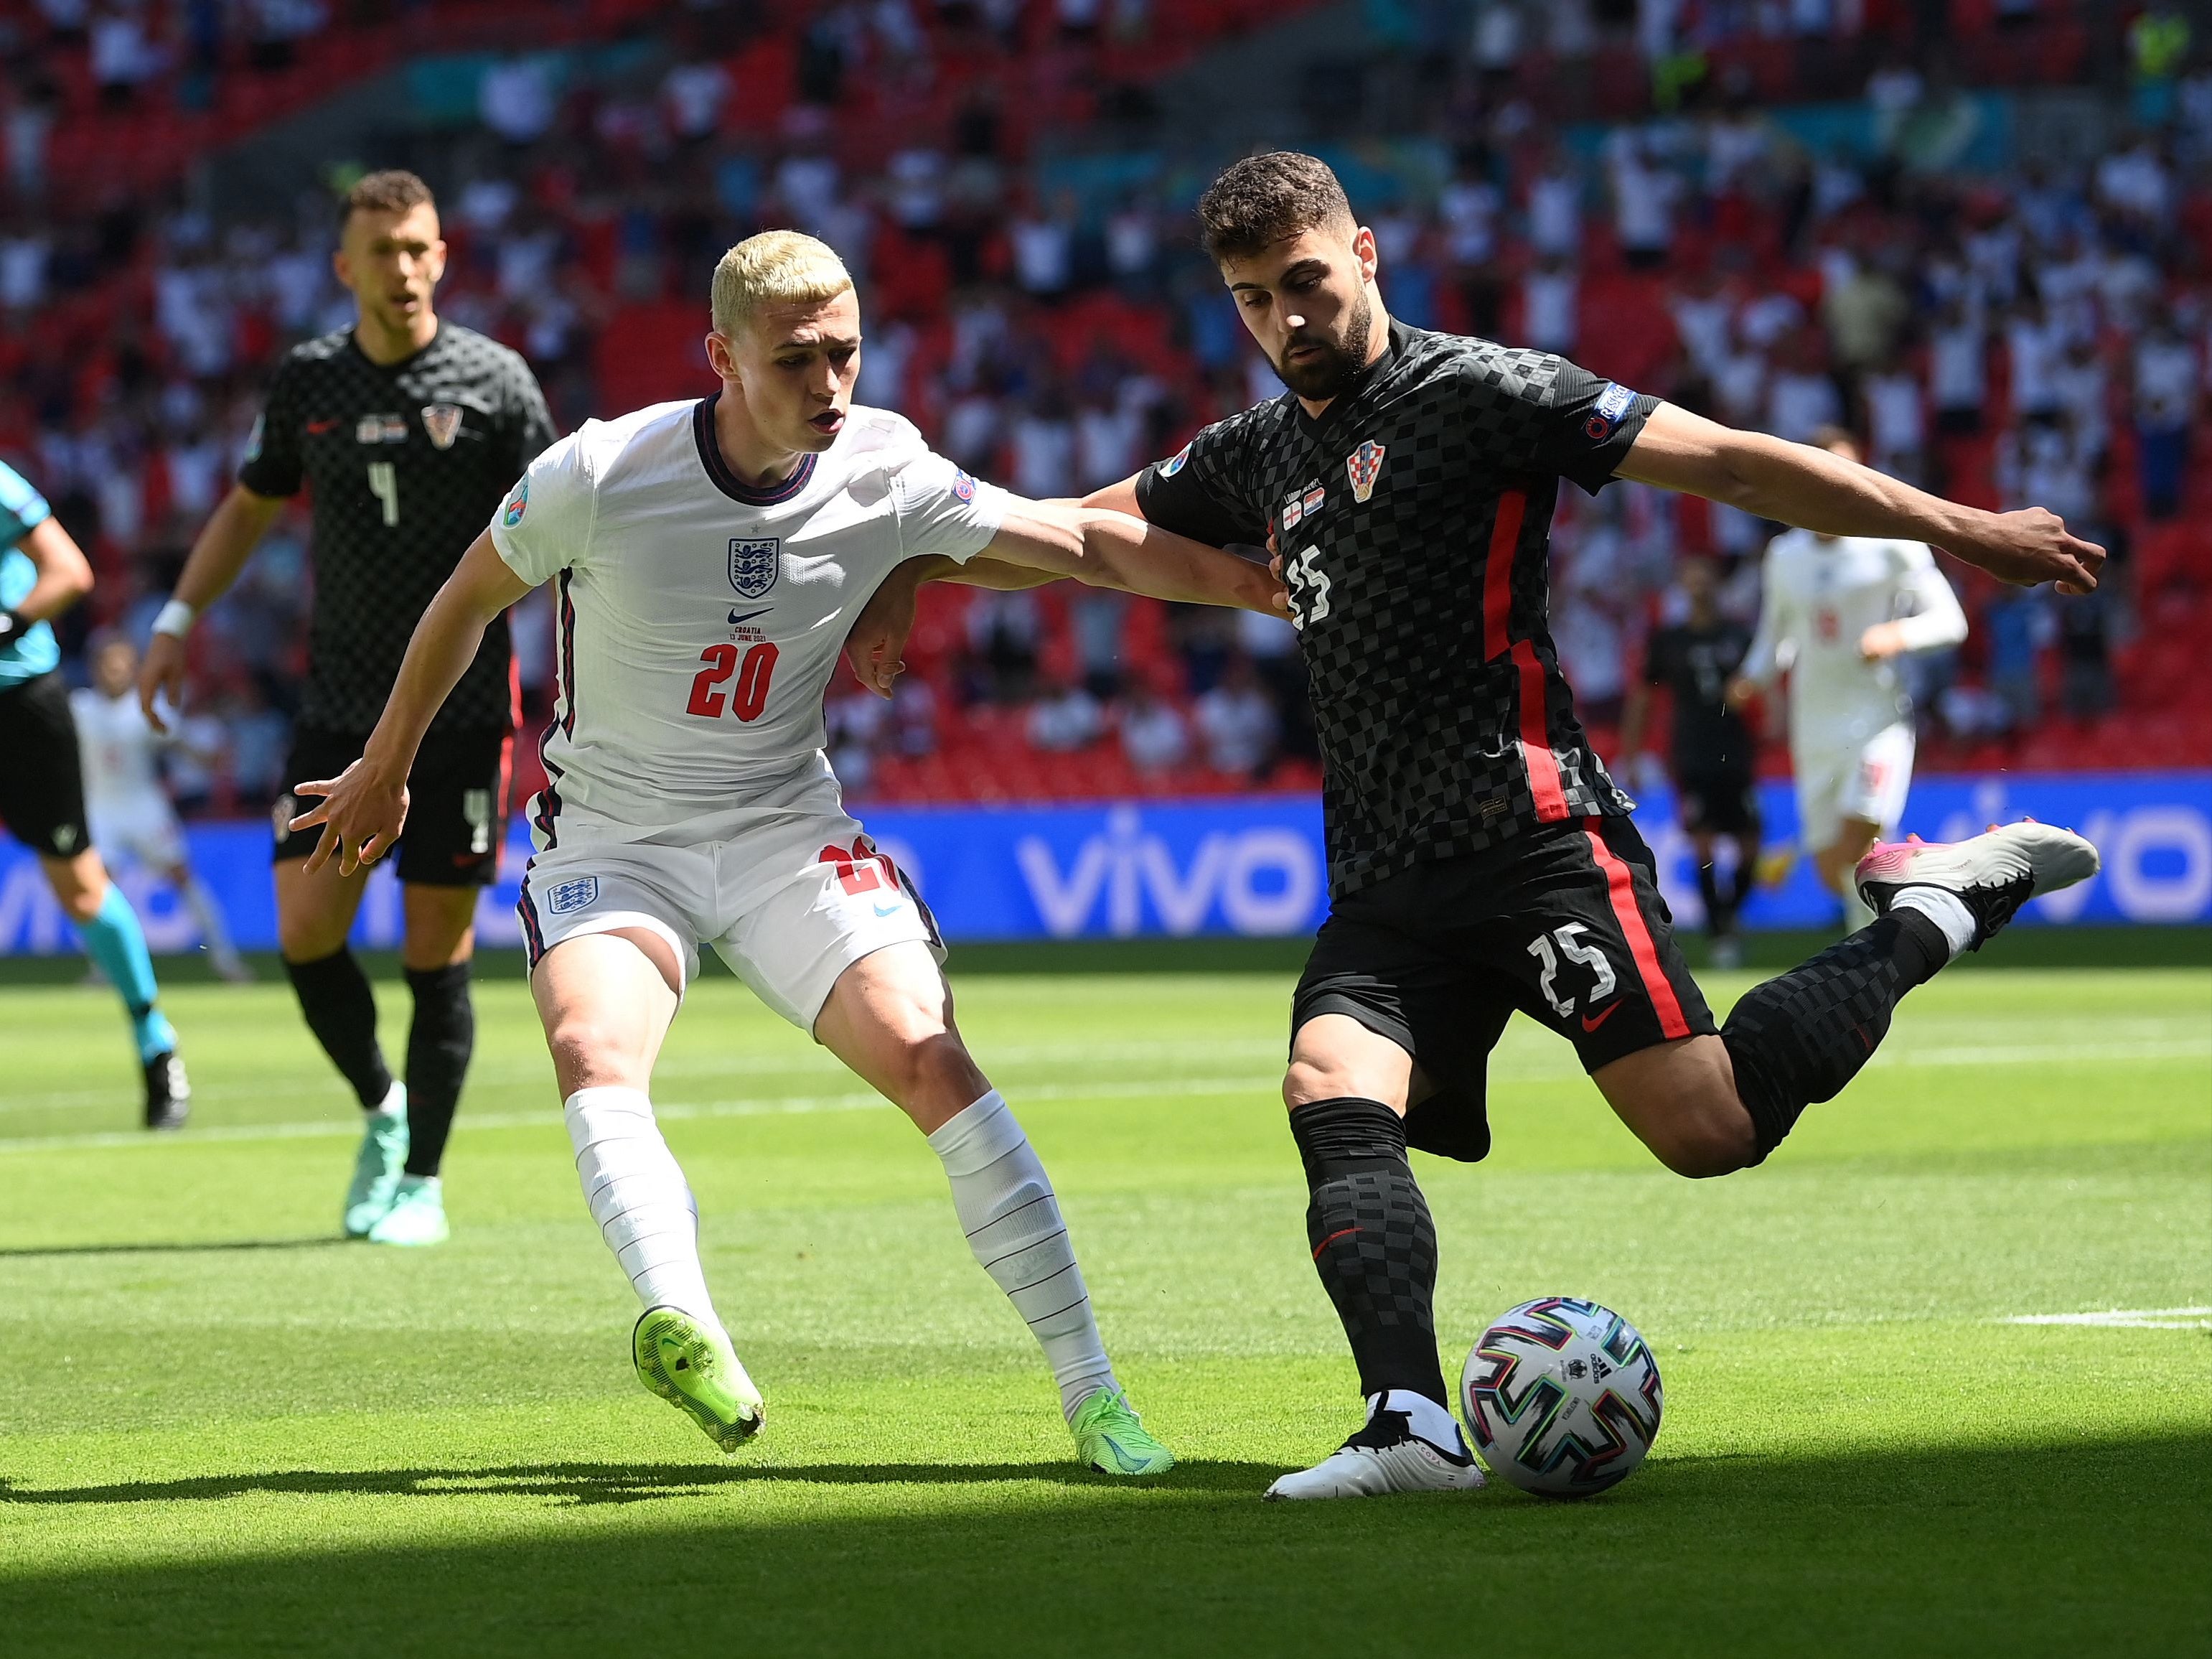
{"points": [[692, 1366], [1111, 1438], [377, 1166], [418, 1215]]}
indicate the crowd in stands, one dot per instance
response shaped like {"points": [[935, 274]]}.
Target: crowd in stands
{"points": [[2009, 333]]}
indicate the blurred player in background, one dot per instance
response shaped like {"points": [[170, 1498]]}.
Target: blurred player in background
{"points": [[690, 802], [43, 572], [1839, 613], [1715, 754], [407, 432], [130, 810]]}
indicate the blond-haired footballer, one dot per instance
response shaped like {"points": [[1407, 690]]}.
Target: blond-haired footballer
{"points": [[710, 558]]}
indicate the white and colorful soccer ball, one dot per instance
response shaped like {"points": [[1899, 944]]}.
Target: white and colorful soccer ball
{"points": [[1563, 1397]]}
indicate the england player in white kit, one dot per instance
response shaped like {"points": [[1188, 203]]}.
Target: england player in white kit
{"points": [[125, 806], [710, 559], [1839, 613]]}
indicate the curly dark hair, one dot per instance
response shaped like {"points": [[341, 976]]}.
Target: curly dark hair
{"points": [[394, 190], [1259, 200]]}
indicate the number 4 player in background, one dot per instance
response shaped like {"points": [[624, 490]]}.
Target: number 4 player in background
{"points": [[407, 432]]}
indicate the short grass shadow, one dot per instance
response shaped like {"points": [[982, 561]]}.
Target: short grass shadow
{"points": [[2022, 1550]]}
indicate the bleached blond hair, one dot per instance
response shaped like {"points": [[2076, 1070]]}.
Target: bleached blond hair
{"points": [[777, 267]]}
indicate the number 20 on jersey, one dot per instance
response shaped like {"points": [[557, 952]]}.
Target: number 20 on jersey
{"points": [[748, 697]]}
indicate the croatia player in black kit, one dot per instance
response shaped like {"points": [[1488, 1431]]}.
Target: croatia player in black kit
{"points": [[1715, 752], [408, 431], [1480, 859]]}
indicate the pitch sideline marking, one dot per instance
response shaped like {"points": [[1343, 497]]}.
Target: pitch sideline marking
{"points": [[2132, 1319]]}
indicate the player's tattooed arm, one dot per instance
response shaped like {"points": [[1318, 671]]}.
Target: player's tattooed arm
{"points": [[1831, 496], [363, 809]]}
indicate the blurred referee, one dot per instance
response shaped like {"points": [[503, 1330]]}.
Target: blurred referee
{"points": [[407, 433]]}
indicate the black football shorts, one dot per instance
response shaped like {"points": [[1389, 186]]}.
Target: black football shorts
{"points": [[456, 802], [41, 773], [1723, 801], [1566, 924]]}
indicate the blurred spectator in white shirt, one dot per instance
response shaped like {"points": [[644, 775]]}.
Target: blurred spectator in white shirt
{"points": [[1237, 722], [1065, 718], [1152, 732]]}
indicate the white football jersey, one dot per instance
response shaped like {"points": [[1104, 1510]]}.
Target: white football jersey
{"points": [[698, 622], [120, 750], [1820, 595]]}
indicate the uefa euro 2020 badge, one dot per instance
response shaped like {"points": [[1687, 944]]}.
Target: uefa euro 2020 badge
{"points": [[517, 505], [1364, 466]]}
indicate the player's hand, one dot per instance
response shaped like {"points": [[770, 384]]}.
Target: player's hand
{"points": [[877, 644], [161, 678], [1883, 640], [361, 814], [2031, 547]]}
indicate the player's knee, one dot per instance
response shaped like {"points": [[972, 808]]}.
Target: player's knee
{"points": [[937, 1070], [1308, 1080], [586, 1050], [82, 900]]}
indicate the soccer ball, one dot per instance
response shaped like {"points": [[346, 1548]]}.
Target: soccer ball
{"points": [[1562, 1396]]}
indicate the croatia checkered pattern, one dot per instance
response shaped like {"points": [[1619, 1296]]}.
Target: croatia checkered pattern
{"points": [[405, 462], [1418, 580]]}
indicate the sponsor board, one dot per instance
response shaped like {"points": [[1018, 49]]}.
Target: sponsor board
{"points": [[1250, 865]]}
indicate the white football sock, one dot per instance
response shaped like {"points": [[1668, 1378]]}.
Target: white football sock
{"points": [[1943, 907], [1013, 1225], [1431, 1422], [394, 1103], [639, 1197]]}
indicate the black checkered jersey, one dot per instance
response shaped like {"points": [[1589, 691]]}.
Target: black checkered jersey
{"points": [[405, 462], [1414, 518]]}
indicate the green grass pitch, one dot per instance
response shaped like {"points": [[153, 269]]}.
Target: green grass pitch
{"points": [[223, 1431]]}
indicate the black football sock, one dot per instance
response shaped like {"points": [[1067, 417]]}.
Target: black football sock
{"points": [[1740, 884], [439, 1044], [1799, 1038], [1373, 1242], [341, 1011], [1720, 907]]}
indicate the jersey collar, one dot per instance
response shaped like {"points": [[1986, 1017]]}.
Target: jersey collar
{"points": [[1354, 395], [718, 470], [353, 344]]}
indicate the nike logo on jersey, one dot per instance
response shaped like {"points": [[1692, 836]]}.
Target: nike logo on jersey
{"points": [[316, 428], [737, 617], [1591, 1023]]}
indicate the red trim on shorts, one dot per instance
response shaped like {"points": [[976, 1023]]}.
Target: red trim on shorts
{"points": [[1621, 888], [1498, 574], [1536, 738]]}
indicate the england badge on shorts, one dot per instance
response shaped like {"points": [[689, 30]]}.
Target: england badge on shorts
{"points": [[577, 893], [754, 562], [1364, 466], [443, 422]]}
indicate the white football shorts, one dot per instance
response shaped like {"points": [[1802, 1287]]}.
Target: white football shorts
{"points": [[144, 826], [789, 905], [1866, 780]]}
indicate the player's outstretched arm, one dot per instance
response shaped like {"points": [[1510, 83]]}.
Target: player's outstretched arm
{"points": [[225, 542], [364, 808], [1824, 493], [1105, 549]]}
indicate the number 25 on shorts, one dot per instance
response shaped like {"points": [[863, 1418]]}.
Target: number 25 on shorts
{"points": [[748, 697]]}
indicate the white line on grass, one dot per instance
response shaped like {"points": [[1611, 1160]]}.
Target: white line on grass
{"points": [[2133, 1318]]}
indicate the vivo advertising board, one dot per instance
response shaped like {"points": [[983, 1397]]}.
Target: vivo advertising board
{"points": [[1250, 865]]}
